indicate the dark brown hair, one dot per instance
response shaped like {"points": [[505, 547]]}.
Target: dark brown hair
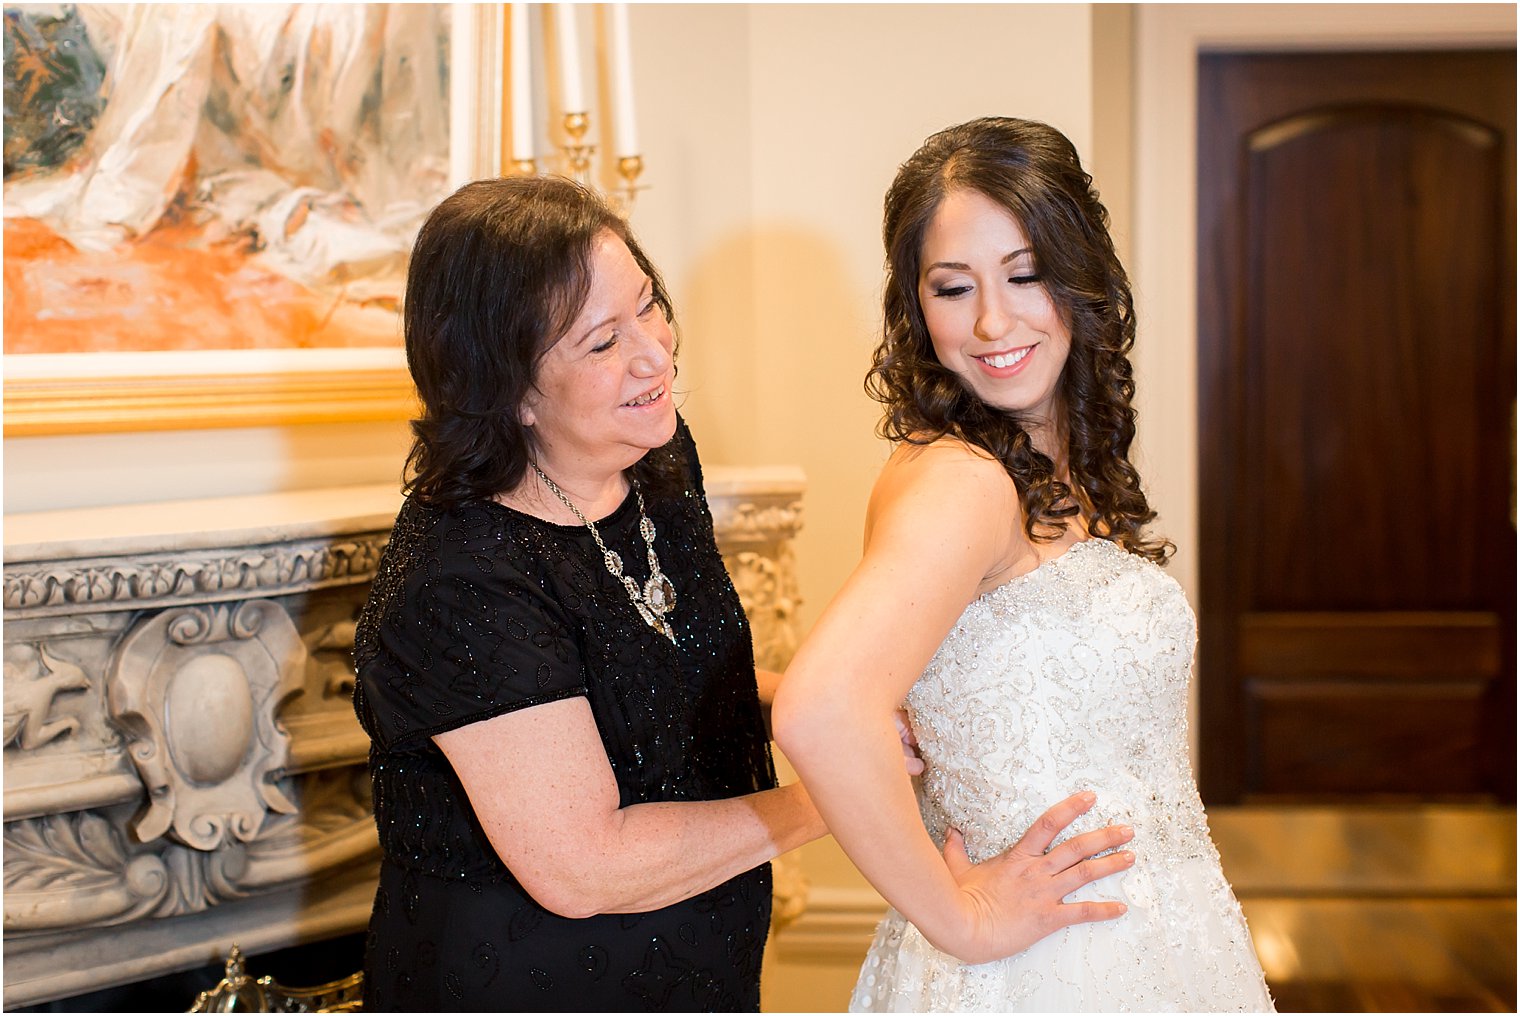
{"points": [[1033, 171], [501, 268]]}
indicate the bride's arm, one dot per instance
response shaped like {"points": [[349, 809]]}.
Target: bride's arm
{"points": [[938, 522]]}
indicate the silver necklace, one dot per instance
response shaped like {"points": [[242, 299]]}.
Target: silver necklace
{"points": [[658, 596]]}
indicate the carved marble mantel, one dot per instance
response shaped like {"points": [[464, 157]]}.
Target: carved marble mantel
{"points": [[183, 769]]}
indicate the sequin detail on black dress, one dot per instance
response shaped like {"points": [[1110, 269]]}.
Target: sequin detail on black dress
{"points": [[481, 610]]}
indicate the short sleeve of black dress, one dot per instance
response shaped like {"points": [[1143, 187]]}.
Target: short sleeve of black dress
{"points": [[469, 635]]}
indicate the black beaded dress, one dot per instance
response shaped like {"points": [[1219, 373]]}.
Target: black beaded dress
{"points": [[480, 610]]}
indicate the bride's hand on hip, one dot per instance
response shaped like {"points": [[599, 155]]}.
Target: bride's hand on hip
{"points": [[1014, 899]]}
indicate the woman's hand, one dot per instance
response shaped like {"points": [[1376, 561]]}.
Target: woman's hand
{"points": [[1014, 899], [539, 781]]}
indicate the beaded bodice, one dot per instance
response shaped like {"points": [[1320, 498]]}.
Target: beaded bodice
{"points": [[1074, 677], [1071, 677]]}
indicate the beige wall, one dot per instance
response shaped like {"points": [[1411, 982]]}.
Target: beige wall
{"points": [[101, 469], [779, 286]]}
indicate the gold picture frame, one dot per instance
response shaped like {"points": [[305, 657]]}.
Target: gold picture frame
{"points": [[98, 392], [179, 392]]}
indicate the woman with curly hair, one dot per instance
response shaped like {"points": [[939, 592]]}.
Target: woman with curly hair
{"points": [[1008, 591], [572, 776]]}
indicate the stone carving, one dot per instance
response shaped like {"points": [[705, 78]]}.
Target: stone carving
{"points": [[268, 570], [73, 869], [333, 829], [167, 780], [337, 674], [767, 586], [755, 525], [29, 700], [197, 690], [739, 521], [79, 869]]}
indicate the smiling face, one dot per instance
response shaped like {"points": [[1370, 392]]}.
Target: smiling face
{"points": [[602, 397], [989, 315]]}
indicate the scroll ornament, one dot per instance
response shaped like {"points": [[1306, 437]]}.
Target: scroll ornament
{"points": [[80, 869]]}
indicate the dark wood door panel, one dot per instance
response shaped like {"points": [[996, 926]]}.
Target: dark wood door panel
{"points": [[1356, 739], [1383, 646], [1356, 383], [1370, 345]]}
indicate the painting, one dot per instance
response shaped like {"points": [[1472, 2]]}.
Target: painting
{"points": [[225, 193]]}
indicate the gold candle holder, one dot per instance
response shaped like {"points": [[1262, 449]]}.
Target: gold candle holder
{"points": [[524, 167], [628, 169], [577, 152]]}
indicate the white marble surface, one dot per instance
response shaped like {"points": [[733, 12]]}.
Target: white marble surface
{"points": [[198, 524]]}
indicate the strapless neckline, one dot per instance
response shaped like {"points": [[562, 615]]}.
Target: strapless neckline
{"points": [[1073, 676], [1044, 568]]}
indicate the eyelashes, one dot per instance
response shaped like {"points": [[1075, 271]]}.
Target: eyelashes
{"points": [[951, 292], [612, 339]]}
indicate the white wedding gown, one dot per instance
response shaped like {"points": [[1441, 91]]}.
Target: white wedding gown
{"points": [[1074, 677]]}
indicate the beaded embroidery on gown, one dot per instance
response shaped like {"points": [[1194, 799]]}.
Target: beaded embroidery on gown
{"points": [[1071, 677]]}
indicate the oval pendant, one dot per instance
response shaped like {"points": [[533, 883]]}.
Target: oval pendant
{"points": [[659, 593]]}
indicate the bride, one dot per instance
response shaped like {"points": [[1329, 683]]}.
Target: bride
{"points": [[1009, 592]]}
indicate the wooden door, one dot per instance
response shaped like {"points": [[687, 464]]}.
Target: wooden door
{"points": [[1357, 384]]}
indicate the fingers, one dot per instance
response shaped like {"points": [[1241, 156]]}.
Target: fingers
{"points": [[1050, 825], [956, 858], [912, 762], [1088, 911], [905, 728], [1091, 870], [1075, 849]]}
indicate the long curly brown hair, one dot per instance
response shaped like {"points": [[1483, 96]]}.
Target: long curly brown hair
{"points": [[1033, 171]]}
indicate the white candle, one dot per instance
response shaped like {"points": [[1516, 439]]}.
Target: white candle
{"points": [[522, 86], [625, 140], [569, 59]]}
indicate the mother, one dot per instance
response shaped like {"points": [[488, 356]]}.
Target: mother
{"points": [[573, 783]]}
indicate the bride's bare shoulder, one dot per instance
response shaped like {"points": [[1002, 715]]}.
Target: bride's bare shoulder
{"points": [[944, 476], [945, 461]]}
